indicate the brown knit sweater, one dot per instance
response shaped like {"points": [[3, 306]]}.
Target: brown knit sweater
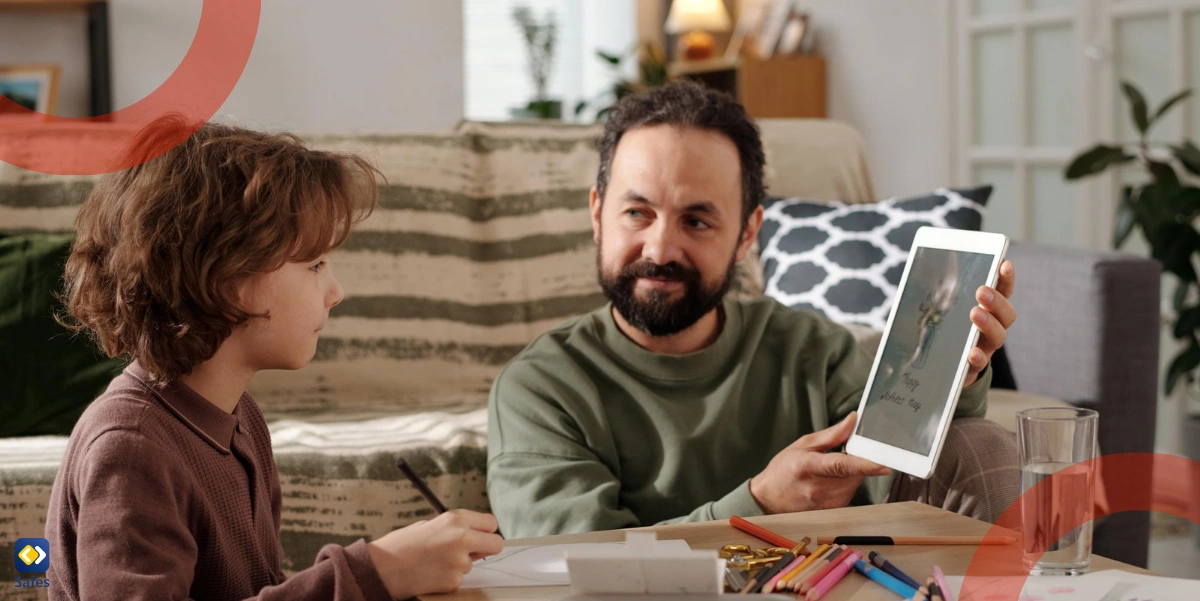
{"points": [[162, 495]]}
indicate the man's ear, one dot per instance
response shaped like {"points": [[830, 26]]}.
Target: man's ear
{"points": [[595, 205], [750, 233]]}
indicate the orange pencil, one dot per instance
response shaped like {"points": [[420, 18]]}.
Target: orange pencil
{"points": [[758, 531], [916, 540]]}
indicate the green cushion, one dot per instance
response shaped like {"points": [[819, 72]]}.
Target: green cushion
{"points": [[47, 374]]}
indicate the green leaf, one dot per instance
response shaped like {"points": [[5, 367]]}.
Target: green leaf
{"points": [[1164, 175], [1181, 294], [1126, 219], [1183, 365], [612, 59], [580, 107], [1186, 202], [1166, 106], [1173, 244], [1095, 160], [1188, 322], [1189, 156], [1137, 105]]}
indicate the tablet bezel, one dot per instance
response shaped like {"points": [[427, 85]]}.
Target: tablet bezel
{"points": [[894, 457]]}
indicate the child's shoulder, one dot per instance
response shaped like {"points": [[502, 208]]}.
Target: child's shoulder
{"points": [[125, 410]]}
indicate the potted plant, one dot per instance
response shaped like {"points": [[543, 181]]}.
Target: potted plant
{"points": [[1164, 209], [540, 40], [652, 71]]}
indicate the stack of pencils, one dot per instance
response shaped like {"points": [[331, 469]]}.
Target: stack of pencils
{"points": [[813, 575]]}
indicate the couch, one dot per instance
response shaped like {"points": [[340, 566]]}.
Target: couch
{"points": [[482, 242]]}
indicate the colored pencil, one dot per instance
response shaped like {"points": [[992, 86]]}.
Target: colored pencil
{"points": [[833, 563], [820, 552], [420, 485], [767, 574], [819, 569], [883, 578], [935, 592], [916, 540], [832, 578], [944, 586], [879, 561], [773, 582], [796, 581], [758, 531]]}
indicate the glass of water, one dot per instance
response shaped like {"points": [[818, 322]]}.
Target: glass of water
{"points": [[1057, 491]]}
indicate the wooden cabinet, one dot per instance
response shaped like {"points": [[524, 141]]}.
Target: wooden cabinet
{"points": [[785, 86]]}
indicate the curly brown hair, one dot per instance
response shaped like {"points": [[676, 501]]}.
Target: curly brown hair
{"points": [[162, 248], [689, 104]]}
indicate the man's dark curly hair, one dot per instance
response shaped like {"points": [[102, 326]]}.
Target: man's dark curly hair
{"points": [[689, 104]]}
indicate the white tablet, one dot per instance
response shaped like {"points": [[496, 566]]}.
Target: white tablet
{"points": [[922, 360]]}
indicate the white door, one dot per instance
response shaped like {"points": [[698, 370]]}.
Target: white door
{"points": [[1038, 80], [1034, 82]]}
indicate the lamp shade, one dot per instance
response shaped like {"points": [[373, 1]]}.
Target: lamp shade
{"points": [[690, 15]]}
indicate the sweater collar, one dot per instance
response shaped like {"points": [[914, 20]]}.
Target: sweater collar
{"points": [[207, 420], [705, 363]]}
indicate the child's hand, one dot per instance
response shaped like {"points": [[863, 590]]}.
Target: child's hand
{"points": [[432, 556]]}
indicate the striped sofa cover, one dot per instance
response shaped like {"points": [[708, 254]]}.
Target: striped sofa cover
{"points": [[482, 242]]}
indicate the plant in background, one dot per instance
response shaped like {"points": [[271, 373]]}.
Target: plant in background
{"points": [[540, 40], [1164, 209], [652, 71]]}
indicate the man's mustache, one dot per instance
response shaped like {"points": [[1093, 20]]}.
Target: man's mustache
{"points": [[670, 271]]}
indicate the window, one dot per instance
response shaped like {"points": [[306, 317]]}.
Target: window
{"points": [[497, 63]]}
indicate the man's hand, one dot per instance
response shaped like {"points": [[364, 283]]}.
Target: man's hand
{"points": [[803, 476], [994, 315]]}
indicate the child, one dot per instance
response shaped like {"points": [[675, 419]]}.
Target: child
{"points": [[206, 265]]}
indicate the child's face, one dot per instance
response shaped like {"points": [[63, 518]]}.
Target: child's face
{"points": [[297, 297]]}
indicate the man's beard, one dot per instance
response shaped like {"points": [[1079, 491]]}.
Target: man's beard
{"points": [[657, 315]]}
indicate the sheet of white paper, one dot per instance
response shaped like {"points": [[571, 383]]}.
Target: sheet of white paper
{"points": [[541, 566], [1107, 585]]}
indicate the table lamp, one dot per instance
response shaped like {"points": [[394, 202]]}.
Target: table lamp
{"points": [[692, 20]]}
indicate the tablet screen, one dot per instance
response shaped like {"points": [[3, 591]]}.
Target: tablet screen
{"points": [[922, 354]]}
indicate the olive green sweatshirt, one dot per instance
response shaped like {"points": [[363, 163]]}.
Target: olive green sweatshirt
{"points": [[589, 431]]}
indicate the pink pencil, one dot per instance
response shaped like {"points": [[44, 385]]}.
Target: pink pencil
{"points": [[833, 577], [770, 585], [947, 594]]}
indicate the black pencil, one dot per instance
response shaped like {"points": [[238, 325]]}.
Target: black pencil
{"points": [[421, 486]]}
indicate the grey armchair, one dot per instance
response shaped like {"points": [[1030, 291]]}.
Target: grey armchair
{"points": [[1088, 333]]}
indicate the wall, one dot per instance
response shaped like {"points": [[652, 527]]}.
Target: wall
{"points": [[888, 77], [317, 66]]}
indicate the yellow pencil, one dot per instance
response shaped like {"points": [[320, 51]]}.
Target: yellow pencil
{"points": [[800, 568], [812, 568]]}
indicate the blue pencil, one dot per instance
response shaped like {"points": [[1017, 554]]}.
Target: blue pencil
{"points": [[885, 579]]}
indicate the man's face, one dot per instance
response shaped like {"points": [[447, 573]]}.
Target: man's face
{"points": [[669, 228]]}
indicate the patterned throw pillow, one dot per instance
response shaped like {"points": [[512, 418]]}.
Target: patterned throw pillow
{"points": [[845, 261]]}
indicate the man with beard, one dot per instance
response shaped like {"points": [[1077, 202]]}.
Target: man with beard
{"points": [[675, 404]]}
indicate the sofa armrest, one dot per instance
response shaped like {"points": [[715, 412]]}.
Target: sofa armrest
{"points": [[1087, 332]]}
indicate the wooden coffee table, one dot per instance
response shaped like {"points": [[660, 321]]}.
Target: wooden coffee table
{"points": [[895, 519]]}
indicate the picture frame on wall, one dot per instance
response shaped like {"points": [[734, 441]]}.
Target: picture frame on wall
{"points": [[33, 87], [796, 36], [744, 31], [778, 12]]}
